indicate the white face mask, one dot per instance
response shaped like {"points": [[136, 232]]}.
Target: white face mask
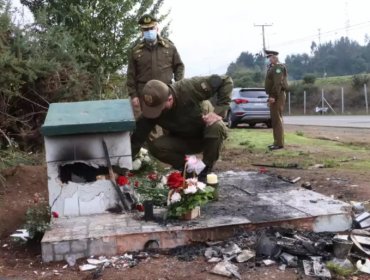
{"points": [[150, 35]]}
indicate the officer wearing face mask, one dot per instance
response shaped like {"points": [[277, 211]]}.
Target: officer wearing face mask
{"points": [[154, 57]]}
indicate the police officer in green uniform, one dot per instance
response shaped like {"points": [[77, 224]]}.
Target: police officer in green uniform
{"points": [[153, 58], [184, 111], [276, 84]]}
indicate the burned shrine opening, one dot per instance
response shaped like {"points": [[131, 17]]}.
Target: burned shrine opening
{"points": [[80, 172]]}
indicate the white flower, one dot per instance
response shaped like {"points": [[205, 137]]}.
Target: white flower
{"points": [[164, 180], [175, 197], [146, 159], [143, 152], [190, 189], [201, 186], [160, 186], [136, 164]]}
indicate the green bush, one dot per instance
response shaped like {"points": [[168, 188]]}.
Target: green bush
{"points": [[309, 79], [38, 220], [359, 80]]}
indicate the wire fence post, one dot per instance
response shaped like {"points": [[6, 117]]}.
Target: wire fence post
{"points": [[322, 99], [304, 102], [367, 105], [289, 103], [342, 93]]}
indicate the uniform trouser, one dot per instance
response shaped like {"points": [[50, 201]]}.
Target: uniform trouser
{"points": [[172, 150], [157, 130], [276, 111]]}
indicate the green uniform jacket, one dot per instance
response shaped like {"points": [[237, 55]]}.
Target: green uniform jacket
{"points": [[159, 62], [276, 80], [184, 119]]}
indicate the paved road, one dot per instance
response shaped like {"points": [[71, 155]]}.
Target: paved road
{"points": [[335, 121]]}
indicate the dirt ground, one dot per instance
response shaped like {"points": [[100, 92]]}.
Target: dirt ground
{"points": [[24, 182]]}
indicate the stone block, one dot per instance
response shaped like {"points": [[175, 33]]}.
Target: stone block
{"points": [[102, 246], [47, 252], [61, 248], [79, 246]]}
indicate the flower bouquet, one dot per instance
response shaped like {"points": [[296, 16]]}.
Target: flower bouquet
{"points": [[185, 195]]}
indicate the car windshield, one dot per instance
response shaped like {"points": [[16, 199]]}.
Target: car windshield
{"points": [[252, 94]]}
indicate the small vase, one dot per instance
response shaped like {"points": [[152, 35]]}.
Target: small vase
{"points": [[192, 214]]}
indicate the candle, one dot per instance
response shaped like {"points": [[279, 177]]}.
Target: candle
{"points": [[212, 179], [213, 182]]}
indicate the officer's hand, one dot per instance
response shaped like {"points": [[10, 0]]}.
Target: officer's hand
{"points": [[135, 102], [271, 100], [211, 118]]}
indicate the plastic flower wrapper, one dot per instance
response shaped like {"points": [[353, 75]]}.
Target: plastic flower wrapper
{"points": [[194, 164]]}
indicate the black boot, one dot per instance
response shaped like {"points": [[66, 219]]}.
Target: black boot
{"points": [[202, 177]]}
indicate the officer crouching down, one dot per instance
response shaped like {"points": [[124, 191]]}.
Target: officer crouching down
{"points": [[193, 124]]}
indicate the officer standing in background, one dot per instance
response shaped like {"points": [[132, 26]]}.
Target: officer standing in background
{"points": [[192, 126], [154, 57], [276, 84]]}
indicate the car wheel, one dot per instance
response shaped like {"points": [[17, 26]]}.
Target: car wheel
{"points": [[252, 125], [269, 124], [230, 122]]}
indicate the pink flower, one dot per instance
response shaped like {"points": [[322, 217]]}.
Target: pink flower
{"points": [[55, 214]]}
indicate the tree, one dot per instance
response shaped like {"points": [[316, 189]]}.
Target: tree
{"points": [[102, 30]]}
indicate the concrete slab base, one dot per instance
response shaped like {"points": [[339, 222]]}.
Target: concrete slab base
{"points": [[265, 201]]}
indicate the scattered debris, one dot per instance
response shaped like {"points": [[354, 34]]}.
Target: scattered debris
{"points": [[316, 268], [363, 267], [268, 262], [341, 248], [97, 262], [70, 259], [231, 249], [86, 267], [307, 185], [282, 267], [214, 260], [363, 220], [289, 260], [245, 255], [22, 234], [226, 268]]}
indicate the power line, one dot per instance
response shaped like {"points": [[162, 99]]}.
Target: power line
{"points": [[322, 34]]}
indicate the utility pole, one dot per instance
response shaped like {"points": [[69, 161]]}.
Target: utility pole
{"points": [[319, 36], [263, 33]]}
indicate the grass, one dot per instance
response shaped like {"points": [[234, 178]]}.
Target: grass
{"points": [[302, 150], [12, 157]]}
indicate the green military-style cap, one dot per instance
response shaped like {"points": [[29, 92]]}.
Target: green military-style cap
{"points": [[147, 21], [155, 95], [270, 53]]}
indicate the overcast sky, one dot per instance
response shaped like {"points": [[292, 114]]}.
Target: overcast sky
{"points": [[209, 34]]}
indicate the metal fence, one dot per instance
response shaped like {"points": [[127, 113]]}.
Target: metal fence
{"points": [[336, 101]]}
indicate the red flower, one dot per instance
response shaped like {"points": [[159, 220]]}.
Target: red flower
{"points": [[136, 184], [140, 207], [55, 214], [263, 170], [122, 181], [153, 176], [175, 180], [130, 174]]}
